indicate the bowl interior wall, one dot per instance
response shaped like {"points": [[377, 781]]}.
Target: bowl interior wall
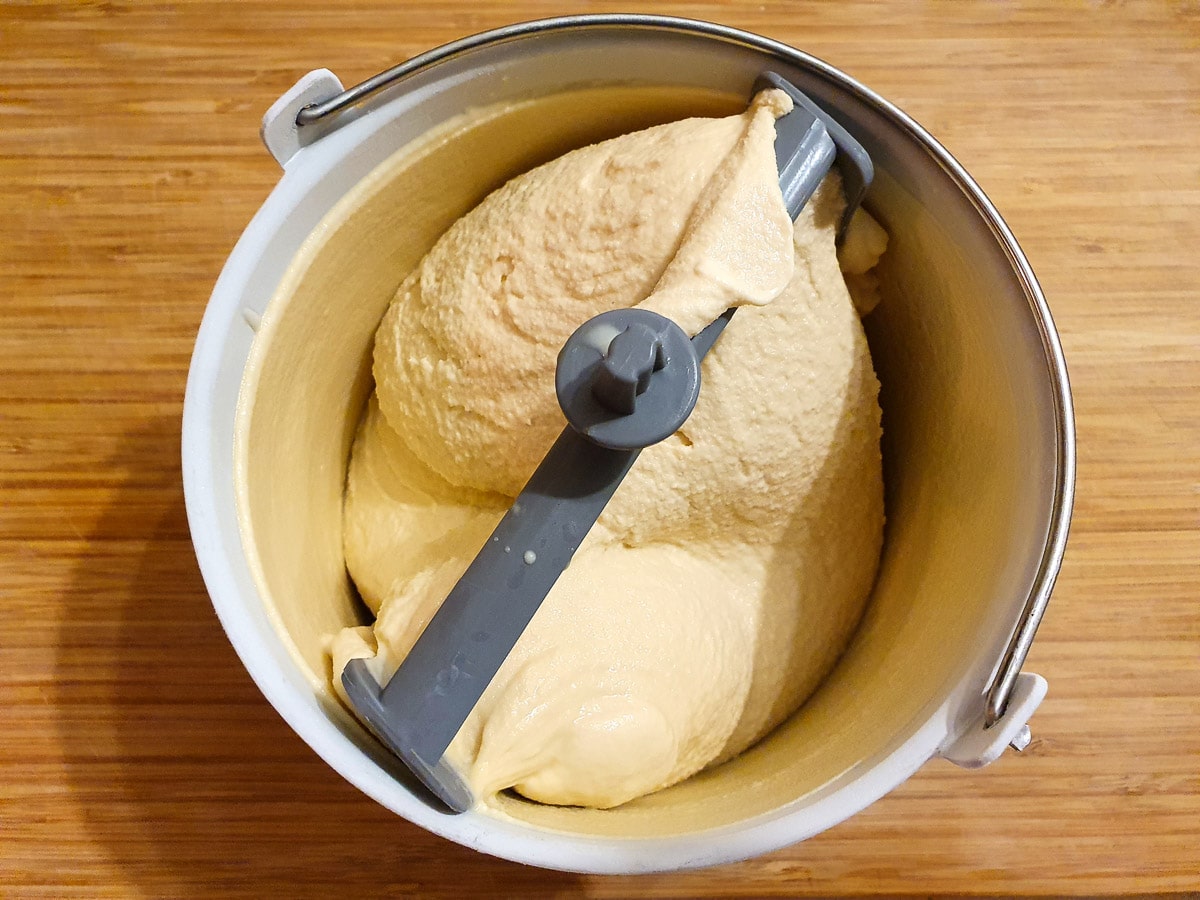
{"points": [[966, 409]]}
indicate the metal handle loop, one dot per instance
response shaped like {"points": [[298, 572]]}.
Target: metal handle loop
{"points": [[1001, 686]]}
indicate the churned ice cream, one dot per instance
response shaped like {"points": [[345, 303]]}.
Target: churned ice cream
{"points": [[726, 575]]}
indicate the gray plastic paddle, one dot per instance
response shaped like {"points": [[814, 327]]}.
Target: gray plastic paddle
{"points": [[625, 379]]}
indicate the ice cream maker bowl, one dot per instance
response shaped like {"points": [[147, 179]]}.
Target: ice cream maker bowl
{"points": [[978, 432]]}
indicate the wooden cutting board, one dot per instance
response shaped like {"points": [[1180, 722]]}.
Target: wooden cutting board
{"points": [[136, 756]]}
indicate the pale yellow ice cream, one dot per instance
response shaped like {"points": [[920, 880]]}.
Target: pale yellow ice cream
{"points": [[724, 578]]}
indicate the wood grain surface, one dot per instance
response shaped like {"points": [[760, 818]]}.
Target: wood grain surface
{"points": [[136, 756]]}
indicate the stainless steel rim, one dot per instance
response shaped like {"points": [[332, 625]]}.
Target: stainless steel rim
{"points": [[1000, 688]]}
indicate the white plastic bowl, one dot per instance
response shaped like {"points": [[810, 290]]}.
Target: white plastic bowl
{"points": [[978, 447]]}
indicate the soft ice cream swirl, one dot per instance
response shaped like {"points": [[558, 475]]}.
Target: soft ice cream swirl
{"points": [[728, 571]]}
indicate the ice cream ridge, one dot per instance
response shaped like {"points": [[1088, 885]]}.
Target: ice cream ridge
{"points": [[727, 573]]}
